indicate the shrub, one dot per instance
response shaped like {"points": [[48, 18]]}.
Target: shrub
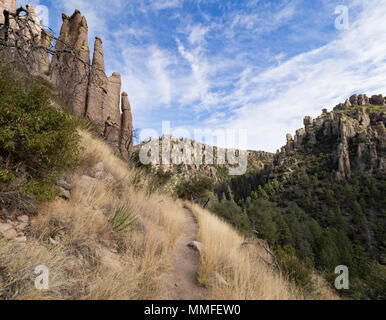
{"points": [[37, 139], [198, 188], [296, 270], [231, 212]]}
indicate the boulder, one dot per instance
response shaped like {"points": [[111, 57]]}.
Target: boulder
{"points": [[8, 231], [21, 226], [65, 185], [23, 219], [363, 100], [195, 245], [354, 100], [65, 194], [377, 100]]}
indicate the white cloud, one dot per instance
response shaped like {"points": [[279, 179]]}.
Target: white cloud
{"points": [[165, 4], [207, 74], [274, 102]]}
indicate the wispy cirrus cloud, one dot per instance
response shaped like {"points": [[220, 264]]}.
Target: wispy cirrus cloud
{"points": [[260, 65]]}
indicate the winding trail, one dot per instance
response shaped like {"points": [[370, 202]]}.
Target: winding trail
{"points": [[181, 283]]}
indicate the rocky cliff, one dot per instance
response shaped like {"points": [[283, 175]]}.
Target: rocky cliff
{"points": [[185, 159], [354, 132], [82, 85]]}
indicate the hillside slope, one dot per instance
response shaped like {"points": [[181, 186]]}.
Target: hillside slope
{"points": [[89, 258], [323, 200]]}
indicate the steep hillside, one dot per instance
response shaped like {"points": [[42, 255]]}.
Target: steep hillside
{"points": [[107, 237], [324, 197], [70, 204]]}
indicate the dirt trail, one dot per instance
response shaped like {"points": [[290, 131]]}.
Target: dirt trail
{"points": [[181, 283]]}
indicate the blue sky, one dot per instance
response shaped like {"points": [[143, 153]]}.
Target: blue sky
{"points": [[257, 65]]}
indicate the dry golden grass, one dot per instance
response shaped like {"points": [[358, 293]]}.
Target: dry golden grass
{"points": [[248, 277], [87, 259]]}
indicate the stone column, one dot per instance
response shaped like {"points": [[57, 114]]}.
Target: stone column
{"points": [[97, 89], [126, 138], [70, 75]]}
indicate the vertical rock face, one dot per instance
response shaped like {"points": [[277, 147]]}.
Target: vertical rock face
{"points": [[353, 133], [126, 137], [290, 143], [308, 123], [113, 114], [35, 28], [71, 75], [344, 166], [97, 90], [9, 5], [40, 64], [299, 137], [113, 97]]}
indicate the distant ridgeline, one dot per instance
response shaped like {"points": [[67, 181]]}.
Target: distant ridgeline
{"points": [[182, 154], [83, 87]]}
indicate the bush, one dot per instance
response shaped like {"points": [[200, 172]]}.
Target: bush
{"points": [[231, 212], [198, 188], [296, 270], [37, 139]]}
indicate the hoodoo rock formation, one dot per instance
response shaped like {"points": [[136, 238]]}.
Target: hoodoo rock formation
{"points": [[126, 146], [356, 129], [70, 73], [85, 93], [97, 89]]}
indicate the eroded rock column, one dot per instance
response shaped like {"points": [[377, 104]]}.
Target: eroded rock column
{"points": [[70, 74], [126, 139], [97, 90]]}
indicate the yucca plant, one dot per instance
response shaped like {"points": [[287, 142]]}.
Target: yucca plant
{"points": [[122, 219]]}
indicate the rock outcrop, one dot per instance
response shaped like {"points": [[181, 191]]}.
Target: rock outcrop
{"points": [[70, 74], [9, 5], [97, 89], [355, 129], [378, 100], [86, 94], [113, 121], [126, 138]]}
